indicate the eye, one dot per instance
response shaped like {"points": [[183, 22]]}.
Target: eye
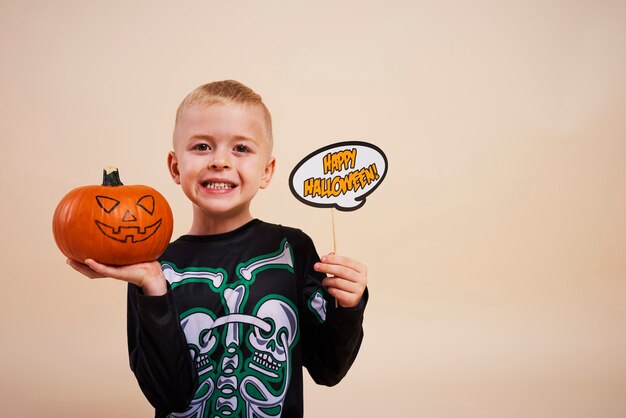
{"points": [[242, 148], [146, 203], [107, 203], [201, 147]]}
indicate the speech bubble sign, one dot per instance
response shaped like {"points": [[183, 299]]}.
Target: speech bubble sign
{"points": [[339, 175]]}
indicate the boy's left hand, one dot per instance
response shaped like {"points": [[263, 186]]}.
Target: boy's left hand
{"points": [[347, 280]]}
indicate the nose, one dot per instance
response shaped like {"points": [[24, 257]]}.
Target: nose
{"points": [[221, 160]]}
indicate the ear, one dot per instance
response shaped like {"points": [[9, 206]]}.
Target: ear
{"points": [[268, 173], [172, 164]]}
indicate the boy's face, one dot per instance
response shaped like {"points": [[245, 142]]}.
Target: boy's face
{"points": [[222, 157]]}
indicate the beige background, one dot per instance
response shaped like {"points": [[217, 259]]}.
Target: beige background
{"points": [[496, 245]]}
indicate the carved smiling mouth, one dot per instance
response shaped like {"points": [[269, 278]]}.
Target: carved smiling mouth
{"points": [[132, 234]]}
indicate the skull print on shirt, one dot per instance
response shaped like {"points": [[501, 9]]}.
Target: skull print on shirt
{"points": [[242, 353]]}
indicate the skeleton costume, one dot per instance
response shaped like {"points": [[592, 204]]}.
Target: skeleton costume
{"points": [[243, 313]]}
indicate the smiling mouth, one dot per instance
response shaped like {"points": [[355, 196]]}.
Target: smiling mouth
{"points": [[130, 234], [218, 185]]}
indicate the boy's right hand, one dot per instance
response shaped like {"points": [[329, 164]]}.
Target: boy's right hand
{"points": [[148, 276]]}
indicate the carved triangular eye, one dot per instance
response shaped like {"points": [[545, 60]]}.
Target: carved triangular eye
{"points": [[107, 203], [147, 203]]}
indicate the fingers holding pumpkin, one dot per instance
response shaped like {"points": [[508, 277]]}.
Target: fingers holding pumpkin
{"points": [[148, 275], [84, 269]]}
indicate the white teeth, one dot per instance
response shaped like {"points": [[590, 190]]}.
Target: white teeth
{"points": [[210, 185]]}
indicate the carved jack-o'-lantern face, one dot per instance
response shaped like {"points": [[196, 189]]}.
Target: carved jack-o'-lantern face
{"points": [[113, 224], [129, 230]]}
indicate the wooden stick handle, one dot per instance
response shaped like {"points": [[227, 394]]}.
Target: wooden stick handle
{"points": [[332, 214]]}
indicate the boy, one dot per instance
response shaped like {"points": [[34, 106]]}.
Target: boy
{"points": [[222, 324]]}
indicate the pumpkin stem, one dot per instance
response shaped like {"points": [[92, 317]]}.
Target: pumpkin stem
{"points": [[111, 177]]}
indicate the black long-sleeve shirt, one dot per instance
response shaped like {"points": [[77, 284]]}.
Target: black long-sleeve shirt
{"points": [[243, 313]]}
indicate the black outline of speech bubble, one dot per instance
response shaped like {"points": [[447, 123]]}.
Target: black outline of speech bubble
{"points": [[361, 198]]}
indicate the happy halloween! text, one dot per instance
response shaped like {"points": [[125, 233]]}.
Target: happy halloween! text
{"points": [[333, 187], [337, 161]]}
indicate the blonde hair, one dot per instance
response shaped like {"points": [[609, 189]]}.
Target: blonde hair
{"points": [[225, 92]]}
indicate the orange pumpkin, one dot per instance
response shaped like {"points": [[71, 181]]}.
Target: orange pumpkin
{"points": [[113, 224]]}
